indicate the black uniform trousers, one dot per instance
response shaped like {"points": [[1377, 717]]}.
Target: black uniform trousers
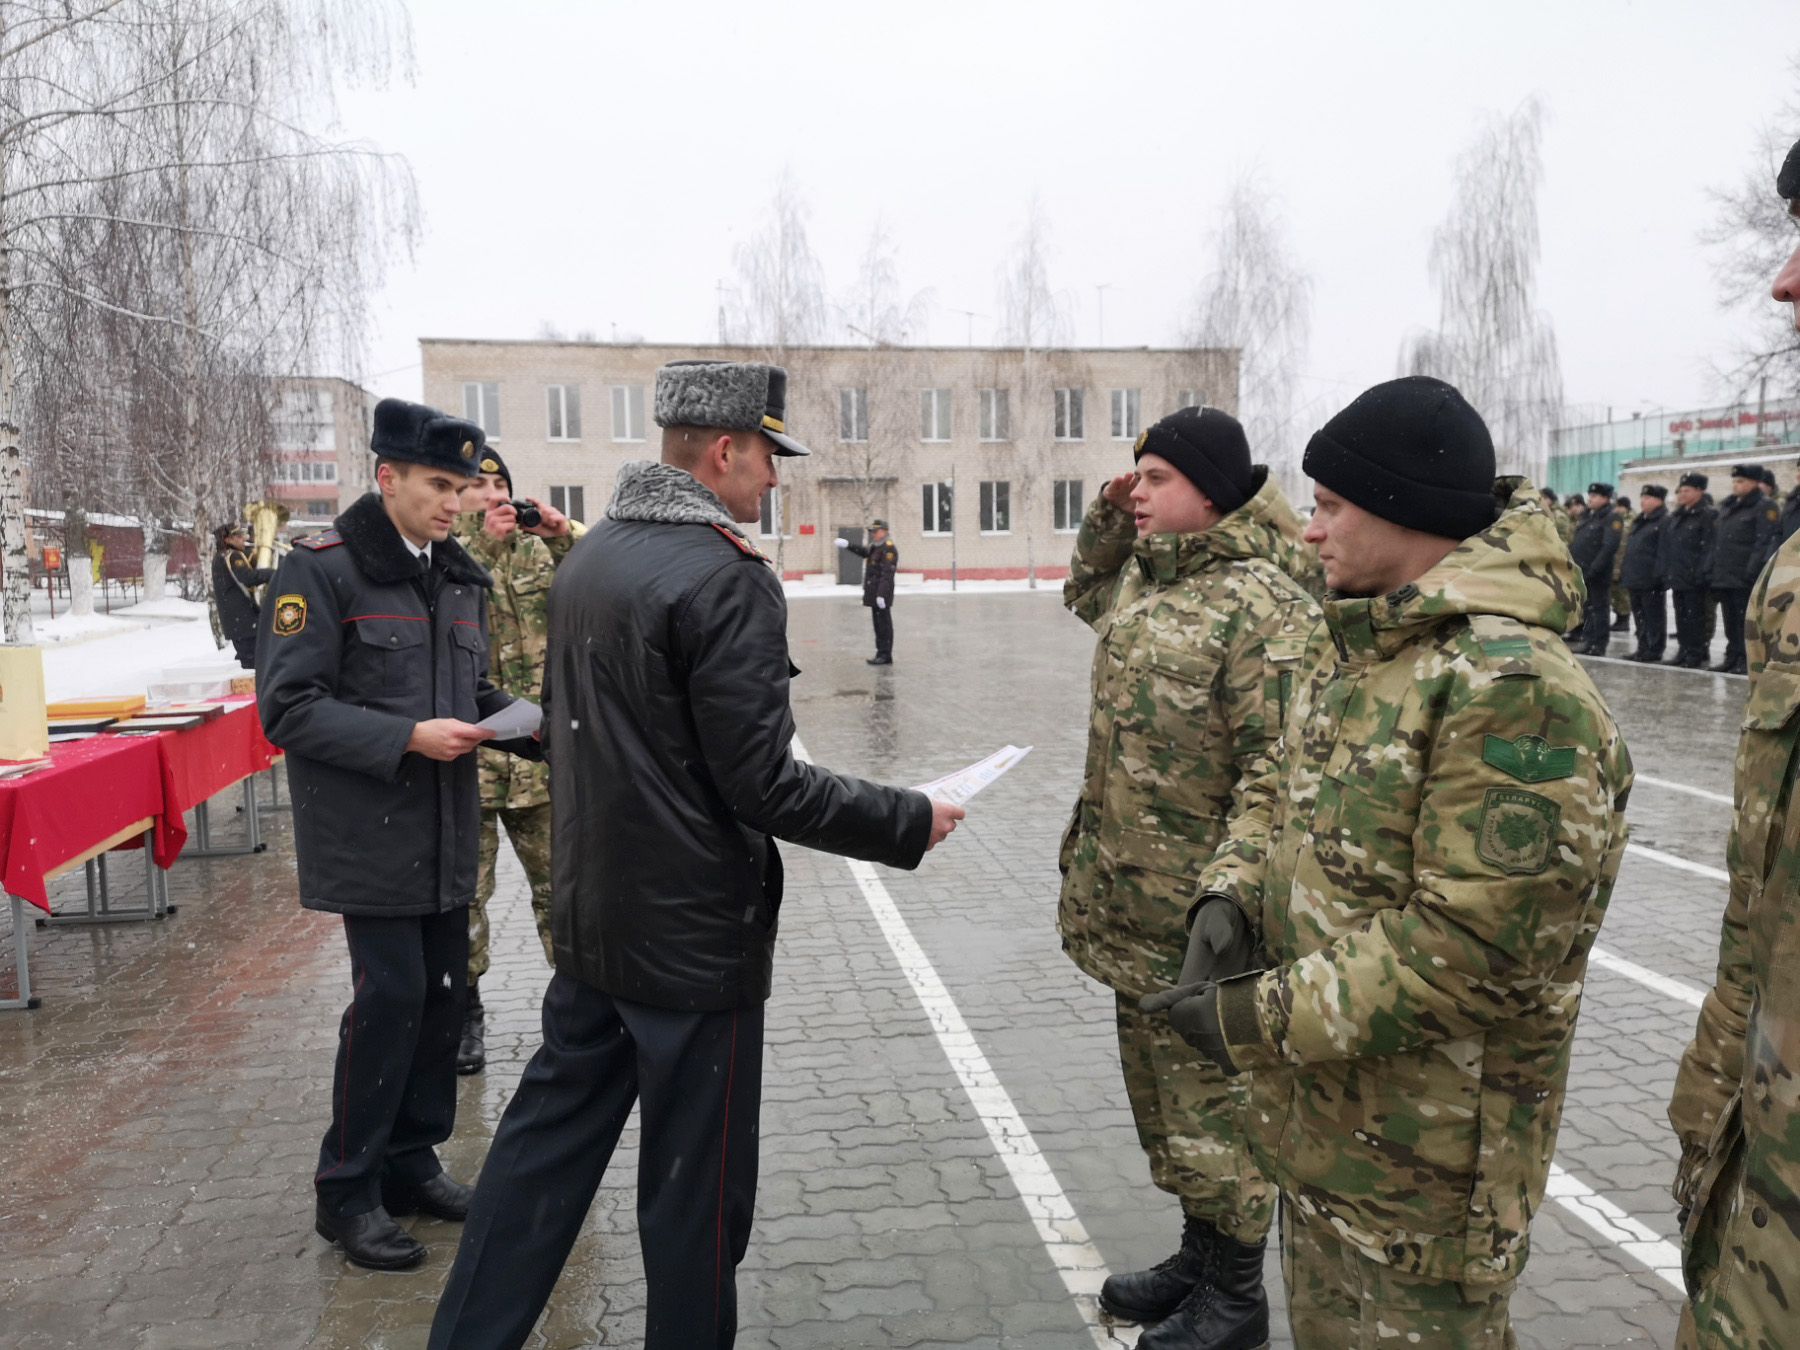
{"points": [[1650, 620], [699, 1078], [245, 648], [393, 1095], [884, 629], [1597, 618], [1732, 604], [1690, 625]]}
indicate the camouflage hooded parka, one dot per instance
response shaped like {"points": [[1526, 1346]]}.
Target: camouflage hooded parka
{"points": [[1199, 638], [1428, 863]]}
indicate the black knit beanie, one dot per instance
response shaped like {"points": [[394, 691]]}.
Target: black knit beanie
{"points": [[1411, 451], [1209, 449], [492, 463], [1787, 182]]}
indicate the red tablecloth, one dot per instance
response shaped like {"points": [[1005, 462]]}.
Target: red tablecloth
{"points": [[95, 788], [91, 791]]}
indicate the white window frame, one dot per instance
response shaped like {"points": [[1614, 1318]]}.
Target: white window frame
{"points": [[481, 405], [627, 406], [996, 415], [1188, 398], [939, 495], [1066, 501], [935, 416], [1127, 408], [772, 511], [563, 496], [1070, 415], [996, 503], [853, 414], [562, 412]]}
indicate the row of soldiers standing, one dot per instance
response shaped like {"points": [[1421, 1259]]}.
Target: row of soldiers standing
{"points": [[1704, 557], [1359, 858]]}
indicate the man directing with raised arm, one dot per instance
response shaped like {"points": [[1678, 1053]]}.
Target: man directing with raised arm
{"points": [[668, 733]]}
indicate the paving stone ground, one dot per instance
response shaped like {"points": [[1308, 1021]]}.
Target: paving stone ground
{"points": [[159, 1115]]}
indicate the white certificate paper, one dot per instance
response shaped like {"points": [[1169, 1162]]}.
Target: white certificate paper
{"points": [[515, 721], [956, 788]]}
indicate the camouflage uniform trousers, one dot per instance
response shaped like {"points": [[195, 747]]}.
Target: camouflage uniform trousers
{"points": [[1339, 1299], [529, 830], [1190, 1121], [1735, 1290]]}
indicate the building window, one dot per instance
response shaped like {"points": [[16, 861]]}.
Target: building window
{"points": [[853, 414], [563, 409], [321, 508], [305, 471], [1068, 415], [1186, 398], [481, 405], [1125, 419], [996, 416], [303, 420], [936, 515], [571, 501], [996, 508], [1067, 500], [774, 511], [934, 414], [628, 412]]}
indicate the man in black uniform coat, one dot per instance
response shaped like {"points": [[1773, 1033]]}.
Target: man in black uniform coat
{"points": [[234, 573], [1684, 565], [1596, 541], [669, 737], [881, 561], [1742, 542], [373, 667], [1641, 574], [1790, 515]]}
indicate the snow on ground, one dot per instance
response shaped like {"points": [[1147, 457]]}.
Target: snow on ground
{"points": [[71, 628], [127, 660]]}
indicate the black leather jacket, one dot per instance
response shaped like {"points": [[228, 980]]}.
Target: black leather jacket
{"points": [[1685, 558], [668, 734], [1744, 539]]}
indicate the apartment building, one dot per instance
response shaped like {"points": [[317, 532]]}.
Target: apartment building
{"points": [[982, 459], [322, 459]]}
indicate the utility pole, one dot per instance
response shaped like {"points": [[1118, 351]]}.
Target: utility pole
{"points": [[971, 315], [1100, 291]]}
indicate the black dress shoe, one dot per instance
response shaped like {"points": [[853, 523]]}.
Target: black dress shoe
{"points": [[440, 1197], [879, 661], [471, 1051], [373, 1240]]}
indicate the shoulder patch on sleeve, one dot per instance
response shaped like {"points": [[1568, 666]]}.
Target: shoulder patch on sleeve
{"points": [[315, 542], [1530, 759], [1517, 830], [290, 615]]}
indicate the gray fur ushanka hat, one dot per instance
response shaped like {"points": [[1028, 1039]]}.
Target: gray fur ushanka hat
{"points": [[728, 396]]}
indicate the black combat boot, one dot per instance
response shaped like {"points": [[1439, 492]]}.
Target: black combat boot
{"points": [[471, 1054], [1151, 1295], [1227, 1311]]}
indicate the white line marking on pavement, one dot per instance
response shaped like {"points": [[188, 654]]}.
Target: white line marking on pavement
{"points": [[1662, 984], [1076, 1259], [1670, 860], [1720, 797], [1602, 1216]]}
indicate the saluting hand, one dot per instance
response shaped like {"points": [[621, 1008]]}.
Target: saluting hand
{"points": [[943, 820], [1118, 492], [446, 738]]}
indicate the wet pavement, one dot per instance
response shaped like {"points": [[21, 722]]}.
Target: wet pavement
{"points": [[160, 1114]]}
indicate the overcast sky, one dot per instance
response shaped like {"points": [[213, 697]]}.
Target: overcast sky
{"points": [[594, 164]]}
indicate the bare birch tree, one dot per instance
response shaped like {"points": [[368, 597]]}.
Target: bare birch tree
{"points": [[1034, 318], [1752, 235], [1258, 300], [878, 315], [160, 163], [1491, 341], [779, 297]]}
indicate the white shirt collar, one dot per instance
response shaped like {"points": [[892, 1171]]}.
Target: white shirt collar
{"points": [[415, 550]]}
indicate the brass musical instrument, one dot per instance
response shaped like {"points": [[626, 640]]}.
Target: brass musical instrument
{"points": [[266, 519]]}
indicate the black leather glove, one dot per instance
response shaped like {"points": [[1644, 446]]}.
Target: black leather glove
{"points": [[1194, 1013], [1219, 942]]}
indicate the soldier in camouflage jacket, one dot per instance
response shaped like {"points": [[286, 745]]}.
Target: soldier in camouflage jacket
{"points": [[1428, 863], [514, 792], [1736, 1107], [1199, 631]]}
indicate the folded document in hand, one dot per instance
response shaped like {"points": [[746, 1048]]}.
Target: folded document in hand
{"points": [[956, 788], [516, 720]]}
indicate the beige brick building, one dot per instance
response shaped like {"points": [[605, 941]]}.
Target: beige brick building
{"points": [[982, 459]]}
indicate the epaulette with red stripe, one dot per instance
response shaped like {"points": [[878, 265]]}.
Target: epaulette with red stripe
{"points": [[743, 545], [324, 539]]}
